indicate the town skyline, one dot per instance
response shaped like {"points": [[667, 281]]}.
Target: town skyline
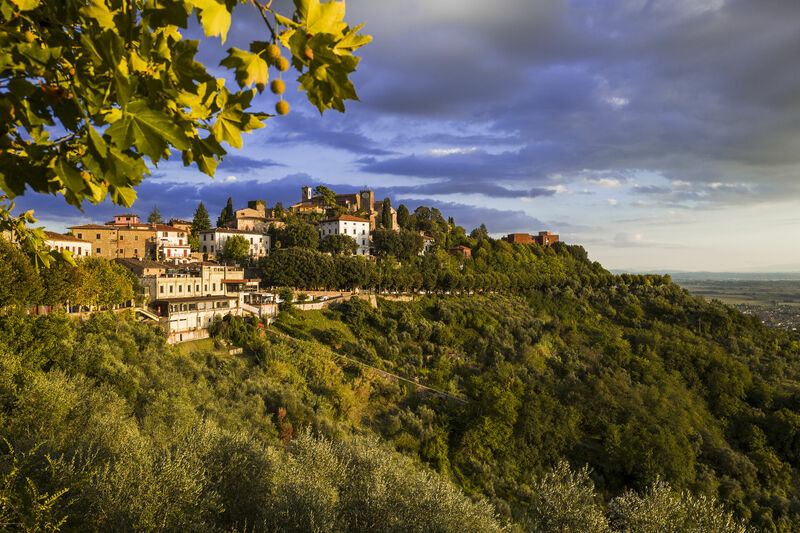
{"points": [[667, 155]]}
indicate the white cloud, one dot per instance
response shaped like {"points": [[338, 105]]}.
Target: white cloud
{"points": [[629, 238], [617, 102], [451, 151], [603, 182], [612, 201], [230, 179], [558, 189]]}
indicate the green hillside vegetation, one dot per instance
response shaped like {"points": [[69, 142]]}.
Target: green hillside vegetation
{"points": [[574, 399]]}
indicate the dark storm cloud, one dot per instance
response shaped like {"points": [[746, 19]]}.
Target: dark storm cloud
{"points": [[485, 188], [701, 91], [233, 162], [297, 129]]}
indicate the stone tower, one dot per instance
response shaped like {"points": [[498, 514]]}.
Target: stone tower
{"points": [[306, 194], [258, 205], [367, 200]]}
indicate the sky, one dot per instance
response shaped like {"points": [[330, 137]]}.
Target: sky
{"points": [[659, 135]]}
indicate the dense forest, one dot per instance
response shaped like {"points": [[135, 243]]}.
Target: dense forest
{"points": [[572, 400]]}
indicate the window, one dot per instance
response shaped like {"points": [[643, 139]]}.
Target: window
{"points": [[213, 286], [135, 237], [189, 288], [98, 236], [136, 251], [197, 288], [80, 235], [98, 251], [122, 237], [164, 233], [170, 289], [161, 289], [212, 249], [180, 288]]}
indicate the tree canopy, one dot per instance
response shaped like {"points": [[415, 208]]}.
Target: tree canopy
{"points": [[201, 221], [338, 244], [237, 248], [89, 92], [155, 216]]}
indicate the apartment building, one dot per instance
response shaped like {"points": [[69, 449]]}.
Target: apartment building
{"points": [[60, 243], [212, 241]]}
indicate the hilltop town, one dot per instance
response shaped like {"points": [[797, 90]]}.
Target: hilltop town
{"points": [[189, 272]]}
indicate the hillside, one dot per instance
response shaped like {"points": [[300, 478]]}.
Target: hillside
{"points": [[672, 402]]}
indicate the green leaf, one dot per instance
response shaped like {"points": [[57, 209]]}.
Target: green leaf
{"points": [[26, 5], [250, 68], [352, 40], [149, 130], [123, 196], [99, 12], [319, 17], [227, 128], [214, 16]]}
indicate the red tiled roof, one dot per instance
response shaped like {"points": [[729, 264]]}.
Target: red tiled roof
{"points": [[93, 226], [460, 247], [346, 218], [51, 235], [123, 224], [164, 227], [428, 238]]}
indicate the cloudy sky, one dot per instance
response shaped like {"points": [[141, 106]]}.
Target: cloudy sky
{"points": [[658, 134]]}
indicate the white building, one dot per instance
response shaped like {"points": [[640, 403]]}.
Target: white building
{"points": [[188, 318], [176, 253], [357, 228], [427, 243], [59, 242], [212, 241]]}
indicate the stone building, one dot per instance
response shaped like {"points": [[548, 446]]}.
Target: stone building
{"points": [[60, 243], [543, 238], [114, 241], [362, 202]]}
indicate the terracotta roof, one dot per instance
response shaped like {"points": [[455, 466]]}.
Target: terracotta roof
{"points": [[53, 236], [346, 218], [460, 247], [164, 227], [428, 238], [123, 224], [177, 246], [140, 263], [89, 226], [239, 280]]}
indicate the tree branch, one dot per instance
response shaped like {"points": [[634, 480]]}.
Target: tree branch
{"points": [[263, 11]]}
